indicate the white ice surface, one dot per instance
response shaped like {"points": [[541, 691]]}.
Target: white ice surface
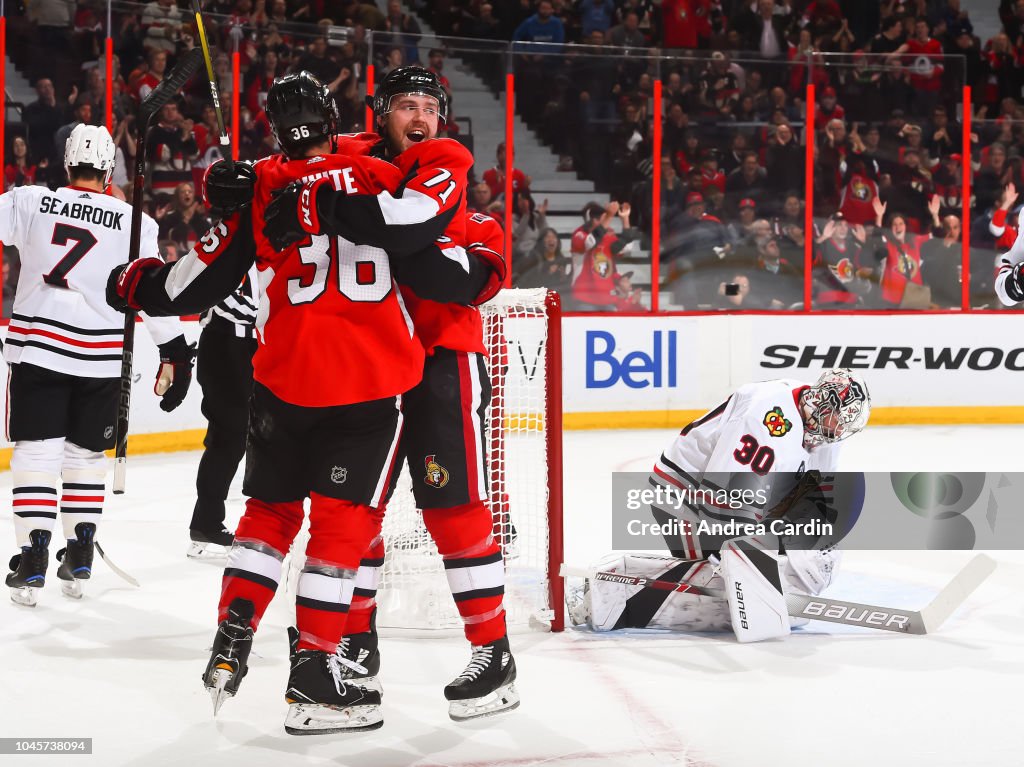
{"points": [[123, 665]]}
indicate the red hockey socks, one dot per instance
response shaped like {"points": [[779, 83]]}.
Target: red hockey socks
{"points": [[340, 533], [265, 533], [474, 566]]}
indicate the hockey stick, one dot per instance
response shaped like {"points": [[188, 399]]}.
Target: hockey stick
{"points": [[114, 567], [225, 140], [927, 620], [158, 97]]}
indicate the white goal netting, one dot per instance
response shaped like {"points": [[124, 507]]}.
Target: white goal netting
{"points": [[525, 381]]}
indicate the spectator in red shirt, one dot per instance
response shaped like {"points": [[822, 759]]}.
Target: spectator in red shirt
{"points": [[19, 172], [923, 58], [495, 177], [827, 109]]}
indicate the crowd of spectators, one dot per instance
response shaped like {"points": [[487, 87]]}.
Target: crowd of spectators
{"points": [[887, 127]]}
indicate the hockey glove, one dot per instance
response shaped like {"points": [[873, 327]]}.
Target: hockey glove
{"points": [[175, 372], [124, 279], [228, 190], [292, 214], [1015, 283]]}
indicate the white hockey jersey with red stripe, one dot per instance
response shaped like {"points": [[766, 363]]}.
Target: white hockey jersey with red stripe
{"points": [[753, 440], [69, 241]]}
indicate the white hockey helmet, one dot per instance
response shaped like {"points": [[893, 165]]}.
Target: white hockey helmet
{"points": [[836, 407], [90, 145]]}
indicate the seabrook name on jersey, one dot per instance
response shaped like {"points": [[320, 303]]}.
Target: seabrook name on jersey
{"points": [[82, 211]]}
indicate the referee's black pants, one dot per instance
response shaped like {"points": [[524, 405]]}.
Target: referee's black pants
{"points": [[224, 371]]}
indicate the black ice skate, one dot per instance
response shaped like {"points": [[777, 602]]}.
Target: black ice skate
{"points": [[29, 569], [487, 686], [76, 560], [212, 544], [360, 658], [231, 646], [319, 702]]}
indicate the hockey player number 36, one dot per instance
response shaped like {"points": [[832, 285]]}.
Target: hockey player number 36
{"points": [[759, 457], [364, 273], [83, 241]]}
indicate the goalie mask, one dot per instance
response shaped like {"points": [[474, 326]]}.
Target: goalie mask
{"points": [[91, 146], [408, 81], [302, 113], [836, 407]]}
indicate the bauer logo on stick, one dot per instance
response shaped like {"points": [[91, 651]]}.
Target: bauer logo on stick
{"points": [[777, 423], [437, 475]]}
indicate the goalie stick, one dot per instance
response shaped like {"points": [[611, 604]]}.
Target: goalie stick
{"points": [[927, 620], [158, 97]]}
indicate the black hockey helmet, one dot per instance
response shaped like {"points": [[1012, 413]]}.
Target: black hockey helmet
{"points": [[404, 80], [301, 111]]}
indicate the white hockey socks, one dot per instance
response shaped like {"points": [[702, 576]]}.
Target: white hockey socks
{"points": [[83, 488]]}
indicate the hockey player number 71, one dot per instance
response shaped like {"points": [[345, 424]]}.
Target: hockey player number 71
{"points": [[62, 235]]}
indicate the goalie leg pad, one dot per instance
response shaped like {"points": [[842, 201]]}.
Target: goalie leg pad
{"points": [[753, 589]]}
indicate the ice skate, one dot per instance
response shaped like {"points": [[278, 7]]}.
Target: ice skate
{"points": [[209, 545], [487, 686], [320, 702], [360, 658], [76, 560], [231, 646], [29, 569]]}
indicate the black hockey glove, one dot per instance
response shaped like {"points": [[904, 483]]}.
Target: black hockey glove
{"points": [[124, 279], [175, 372], [228, 190], [281, 224], [1015, 283]]}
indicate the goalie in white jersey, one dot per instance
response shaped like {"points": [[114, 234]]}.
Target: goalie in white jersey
{"points": [[63, 349], [1010, 269], [773, 444]]}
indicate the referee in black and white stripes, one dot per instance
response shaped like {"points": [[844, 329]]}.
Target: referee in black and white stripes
{"points": [[224, 371]]}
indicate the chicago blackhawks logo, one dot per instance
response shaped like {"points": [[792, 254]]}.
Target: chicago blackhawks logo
{"points": [[437, 475], [777, 423]]}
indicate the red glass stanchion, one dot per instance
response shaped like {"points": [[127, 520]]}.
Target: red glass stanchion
{"points": [[510, 103], [809, 194], [236, 101], [369, 92], [656, 200], [965, 226]]}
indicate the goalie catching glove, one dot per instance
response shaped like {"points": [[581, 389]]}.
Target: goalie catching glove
{"points": [[175, 373]]}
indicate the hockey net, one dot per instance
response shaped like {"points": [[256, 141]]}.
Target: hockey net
{"points": [[523, 338]]}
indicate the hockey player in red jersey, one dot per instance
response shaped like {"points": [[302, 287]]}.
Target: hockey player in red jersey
{"points": [[328, 308], [445, 413], [63, 348], [778, 442]]}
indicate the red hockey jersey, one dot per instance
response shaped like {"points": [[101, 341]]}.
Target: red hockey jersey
{"points": [[451, 326], [333, 330]]}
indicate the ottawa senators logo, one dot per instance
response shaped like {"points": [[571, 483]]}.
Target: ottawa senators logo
{"points": [[437, 475], [907, 266], [602, 264], [859, 189], [843, 270], [776, 423]]}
